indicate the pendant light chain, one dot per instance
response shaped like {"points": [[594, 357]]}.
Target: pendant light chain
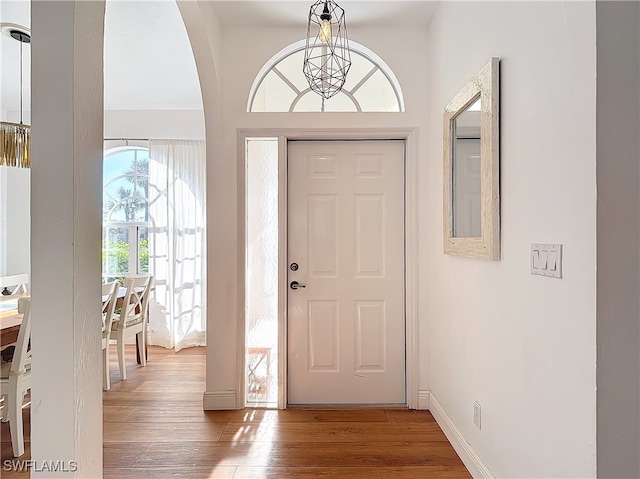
{"points": [[21, 81]]}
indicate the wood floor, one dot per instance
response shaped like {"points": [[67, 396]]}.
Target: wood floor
{"points": [[155, 428]]}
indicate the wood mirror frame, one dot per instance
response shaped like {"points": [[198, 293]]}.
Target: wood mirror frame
{"points": [[484, 86]]}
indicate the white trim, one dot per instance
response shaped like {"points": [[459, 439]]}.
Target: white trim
{"points": [[409, 135], [467, 454], [423, 400], [220, 400], [411, 266], [282, 273], [353, 46], [114, 150], [241, 261]]}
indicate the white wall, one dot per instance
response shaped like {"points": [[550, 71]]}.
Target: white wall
{"points": [[15, 212], [18, 219], [618, 331], [242, 59], [205, 35], [3, 220], [523, 346], [65, 246], [155, 124]]}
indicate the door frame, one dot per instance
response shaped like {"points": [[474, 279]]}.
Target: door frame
{"points": [[410, 138]]}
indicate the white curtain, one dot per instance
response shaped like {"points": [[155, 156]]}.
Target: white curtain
{"points": [[177, 243]]}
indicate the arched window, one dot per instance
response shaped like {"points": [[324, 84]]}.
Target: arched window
{"points": [[125, 212], [281, 86]]}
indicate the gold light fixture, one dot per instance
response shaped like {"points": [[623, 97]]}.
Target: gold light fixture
{"points": [[15, 138]]}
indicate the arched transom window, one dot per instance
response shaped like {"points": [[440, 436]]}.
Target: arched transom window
{"points": [[281, 86], [125, 213]]}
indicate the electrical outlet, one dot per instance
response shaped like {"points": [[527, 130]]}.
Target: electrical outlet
{"points": [[477, 414]]}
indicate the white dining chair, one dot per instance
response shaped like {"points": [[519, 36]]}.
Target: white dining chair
{"points": [[132, 318], [109, 299], [15, 379], [15, 283]]}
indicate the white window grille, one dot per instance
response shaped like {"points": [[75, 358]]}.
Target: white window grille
{"points": [[125, 213], [281, 86]]}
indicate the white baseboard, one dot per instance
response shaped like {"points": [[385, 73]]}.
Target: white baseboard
{"points": [[220, 400], [469, 456], [423, 400]]}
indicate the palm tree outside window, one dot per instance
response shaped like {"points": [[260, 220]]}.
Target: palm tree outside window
{"points": [[125, 213]]}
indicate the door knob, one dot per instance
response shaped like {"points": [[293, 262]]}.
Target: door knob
{"points": [[296, 285]]}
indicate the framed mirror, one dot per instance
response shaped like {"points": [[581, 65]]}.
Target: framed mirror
{"points": [[471, 168]]}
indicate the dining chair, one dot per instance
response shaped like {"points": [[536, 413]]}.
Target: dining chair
{"points": [[20, 282], [109, 299], [15, 379], [132, 318]]}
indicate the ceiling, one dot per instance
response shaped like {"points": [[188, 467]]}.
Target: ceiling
{"points": [[147, 57], [294, 13]]}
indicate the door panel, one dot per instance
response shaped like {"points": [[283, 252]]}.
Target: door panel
{"points": [[370, 338], [369, 235], [323, 236], [323, 336], [346, 342]]}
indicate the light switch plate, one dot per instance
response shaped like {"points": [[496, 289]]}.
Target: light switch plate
{"points": [[546, 260]]}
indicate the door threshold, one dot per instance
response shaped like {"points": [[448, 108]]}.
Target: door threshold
{"points": [[348, 406]]}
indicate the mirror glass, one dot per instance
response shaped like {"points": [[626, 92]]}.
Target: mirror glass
{"points": [[466, 172], [471, 169]]}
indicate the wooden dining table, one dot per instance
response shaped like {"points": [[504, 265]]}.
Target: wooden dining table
{"points": [[10, 319]]}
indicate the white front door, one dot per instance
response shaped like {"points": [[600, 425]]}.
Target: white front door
{"points": [[346, 321]]}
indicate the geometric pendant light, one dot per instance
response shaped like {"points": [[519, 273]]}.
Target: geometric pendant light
{"points": [[327, 58]]}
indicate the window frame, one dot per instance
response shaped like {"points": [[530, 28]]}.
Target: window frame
{"points": [[134, 227], [355, 47]]}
